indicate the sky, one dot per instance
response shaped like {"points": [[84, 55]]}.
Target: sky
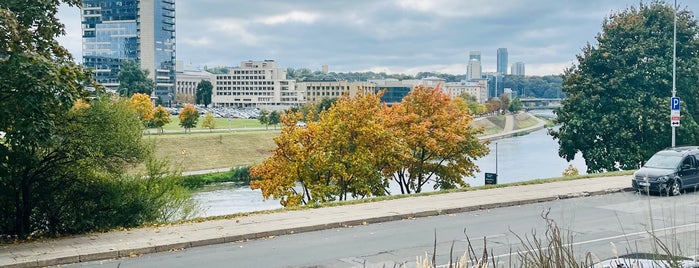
{"points": [[392, 36]]}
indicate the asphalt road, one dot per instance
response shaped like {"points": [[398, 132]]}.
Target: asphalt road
{"points": [[593, 223]]}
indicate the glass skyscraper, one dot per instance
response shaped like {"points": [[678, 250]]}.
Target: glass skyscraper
{"points": [[502, 60], [139, 30]]}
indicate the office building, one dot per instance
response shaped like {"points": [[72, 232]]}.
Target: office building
{"points": [[518, 68], [188, 82], [477, 89], [318, 90], [256, 84], [473, 68], [502, 61], [138, 30]]}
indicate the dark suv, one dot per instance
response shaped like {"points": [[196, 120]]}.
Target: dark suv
{"points": [[669, 171]]}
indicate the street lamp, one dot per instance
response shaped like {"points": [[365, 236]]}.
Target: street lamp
{"points": [[674, 63]]}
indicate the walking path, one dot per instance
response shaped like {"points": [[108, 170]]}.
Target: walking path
{"points": [[130, 243]]}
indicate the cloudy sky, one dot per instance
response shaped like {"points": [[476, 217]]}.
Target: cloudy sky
{"points": [[393, 36]]}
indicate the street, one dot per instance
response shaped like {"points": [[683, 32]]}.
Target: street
{"points": [[593, 223]]}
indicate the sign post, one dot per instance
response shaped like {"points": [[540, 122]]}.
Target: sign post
{"points": [[675, 112]]}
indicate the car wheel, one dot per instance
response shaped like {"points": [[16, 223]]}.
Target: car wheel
{"points": [[675, 188]]}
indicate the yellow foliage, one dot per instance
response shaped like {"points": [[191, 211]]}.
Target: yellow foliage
{"points": [[143, 105], [570, 171]]}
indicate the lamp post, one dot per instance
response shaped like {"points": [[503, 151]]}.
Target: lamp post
{"points": [[674, 62]]}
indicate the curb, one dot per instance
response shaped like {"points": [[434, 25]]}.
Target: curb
{"points": [[123, 253]]}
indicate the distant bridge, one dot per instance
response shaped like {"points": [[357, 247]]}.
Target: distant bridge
{"points": [[540, 103]]}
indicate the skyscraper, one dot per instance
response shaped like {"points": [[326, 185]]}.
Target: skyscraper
{"points": [[502, 61], [139, 30], [473, 68], [518, 68]]}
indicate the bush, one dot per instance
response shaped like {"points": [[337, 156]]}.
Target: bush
{"points": [[236, 174]]}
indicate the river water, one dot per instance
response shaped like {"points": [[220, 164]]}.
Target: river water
{"points": [[528, 157]]}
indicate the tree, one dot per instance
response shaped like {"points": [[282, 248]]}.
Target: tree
{"points": [[188, 117], [493, 105], [264, 118], [515, 105], [204, 91], [133, 79], [209, 121], [504, 102], [274, 119], [63, 159], [161, 117], [143, 106], [442, 146], [616, 110]]}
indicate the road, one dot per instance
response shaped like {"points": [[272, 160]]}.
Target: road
{"points": [[626, 219]]}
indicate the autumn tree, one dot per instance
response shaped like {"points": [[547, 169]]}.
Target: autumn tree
{"points": [[143, 106], [442, 145], [133, 79], [504, 102], [209, 121], [335, 158], [493, 105], [618, 94], [188, 117], [204, 91], [161, 117]]}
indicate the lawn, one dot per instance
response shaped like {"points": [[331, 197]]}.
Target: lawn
{"points": [[203, 150]]}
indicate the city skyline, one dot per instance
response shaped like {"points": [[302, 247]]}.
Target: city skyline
{"points": [[401, 36]]}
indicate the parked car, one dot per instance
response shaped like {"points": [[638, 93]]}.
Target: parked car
{"points": [[669, 171], [646, 260]]}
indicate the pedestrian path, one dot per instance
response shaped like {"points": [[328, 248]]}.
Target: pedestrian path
{"points": [[134, 242]]}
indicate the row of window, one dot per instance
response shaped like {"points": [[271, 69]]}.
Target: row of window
{"points": [[244, 88], [244, 82], [244, 93], [242, 77]]}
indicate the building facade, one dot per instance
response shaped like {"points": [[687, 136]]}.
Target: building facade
{"points": [[473, 68], [478, 89], [138, 30], [256, 84], [187, 83], [318, 90], [518, 68], [502, 61]]}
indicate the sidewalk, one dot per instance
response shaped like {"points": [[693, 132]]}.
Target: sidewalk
{"points": [[129, 243]]}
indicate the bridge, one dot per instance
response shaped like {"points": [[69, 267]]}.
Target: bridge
{"points": [[540, 103]]}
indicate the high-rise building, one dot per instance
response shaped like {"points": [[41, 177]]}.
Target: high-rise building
{"points": [[139, 30], [518, 68], [502, 61], [473, 68]]}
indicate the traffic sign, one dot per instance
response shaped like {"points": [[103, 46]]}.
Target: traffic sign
{"points": [[675, 112], [675, 104]]}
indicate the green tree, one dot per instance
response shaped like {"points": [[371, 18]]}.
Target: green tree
{"points": [[209, 121], [515, 105], [204, 91], [264, 118], [133, 79], [274, 119], [616, 110], [188, 117], [161, 117]]}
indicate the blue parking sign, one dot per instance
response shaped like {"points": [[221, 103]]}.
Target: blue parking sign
{"points": [[675, 103]]}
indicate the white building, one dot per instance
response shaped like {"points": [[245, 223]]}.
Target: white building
{"points": [[474, 69], [187, 82], [318, 90], [477, 89], [256, 84], [517, 68]]}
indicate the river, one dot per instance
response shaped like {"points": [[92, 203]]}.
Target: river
{"points": [[522, 158]]}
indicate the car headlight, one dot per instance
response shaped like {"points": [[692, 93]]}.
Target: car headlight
{"points": [[663, 178]]}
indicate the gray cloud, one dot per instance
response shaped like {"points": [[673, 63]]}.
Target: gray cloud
{"points": [[384, 35]]}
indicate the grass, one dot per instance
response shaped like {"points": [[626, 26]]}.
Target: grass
{"points": [[201, 151], [498, 120], [528, 122]]}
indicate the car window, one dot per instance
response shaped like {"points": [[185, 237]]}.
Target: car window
{"points": [[663, 161]]}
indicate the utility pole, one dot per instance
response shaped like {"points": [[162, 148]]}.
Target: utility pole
{"points": [[674, 63]]}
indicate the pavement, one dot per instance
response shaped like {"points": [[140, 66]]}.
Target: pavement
{"points": [[135, 242]]}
